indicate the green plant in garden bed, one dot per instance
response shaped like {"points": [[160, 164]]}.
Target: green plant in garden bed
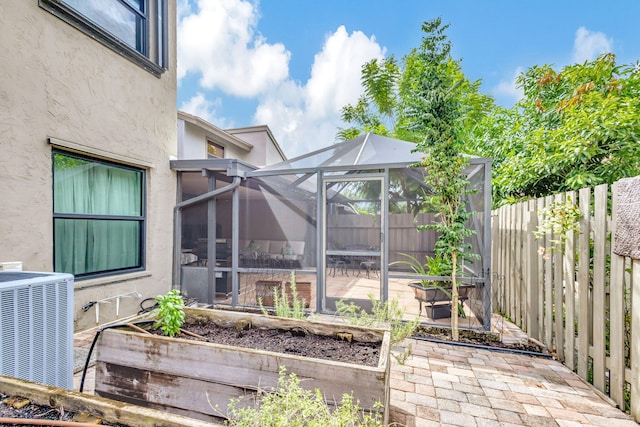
{"points": [[383, 314], [284, 307], [292, 406], [170, 312]]}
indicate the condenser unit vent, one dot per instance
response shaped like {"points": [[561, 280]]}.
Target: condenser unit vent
{"points": [[36, 333]]}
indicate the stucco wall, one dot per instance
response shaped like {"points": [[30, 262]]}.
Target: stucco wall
{"points": [[264, 152], [193, 142], [55, 81]]}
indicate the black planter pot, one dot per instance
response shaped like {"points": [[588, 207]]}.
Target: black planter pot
{"points": [[438, 311]]}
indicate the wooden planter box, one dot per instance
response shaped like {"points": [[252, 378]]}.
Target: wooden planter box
{"points": [[197, 379], [99, 407]]}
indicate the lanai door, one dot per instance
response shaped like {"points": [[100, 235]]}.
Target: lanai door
{"points": [[353, 239]]}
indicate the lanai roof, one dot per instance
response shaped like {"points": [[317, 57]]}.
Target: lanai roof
{"points": [[368, 151]]}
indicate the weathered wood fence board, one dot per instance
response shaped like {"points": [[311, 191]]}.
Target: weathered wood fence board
{"points": [[635, 342], [580, 299]]}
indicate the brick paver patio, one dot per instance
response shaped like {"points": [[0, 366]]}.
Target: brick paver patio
{"points": [[443, 384], [448, 385]]}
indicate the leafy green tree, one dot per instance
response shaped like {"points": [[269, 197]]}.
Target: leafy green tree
{"points": [[574, 128], [386, 83], [427, 100], [375, 110], [434, 111]]}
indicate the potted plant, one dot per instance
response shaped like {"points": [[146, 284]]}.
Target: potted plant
{"points": [[435, 293]]}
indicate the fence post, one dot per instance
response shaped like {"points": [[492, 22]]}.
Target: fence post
{"points": [[510, 276], [635, 340], [558, 291], [538, 207], [570, 293], [584, 259], [519, 268], [616, 313], [531, 280], [548, 285], [599, 280]]}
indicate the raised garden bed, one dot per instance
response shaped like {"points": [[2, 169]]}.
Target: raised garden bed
{"points": [[48, 402], [197, 379]]}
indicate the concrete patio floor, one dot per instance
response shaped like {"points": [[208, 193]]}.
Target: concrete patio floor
{"points": [[450, 385]]}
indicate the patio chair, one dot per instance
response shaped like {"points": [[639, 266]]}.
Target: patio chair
{"points": [[338, 263]]}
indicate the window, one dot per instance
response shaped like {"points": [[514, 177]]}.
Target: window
{"points": [[214, 150], [136, 29], [98, 216]]}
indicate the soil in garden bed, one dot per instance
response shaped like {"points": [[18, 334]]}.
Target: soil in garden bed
{"points": [[477, 338], [288, 342], [37, 412]]}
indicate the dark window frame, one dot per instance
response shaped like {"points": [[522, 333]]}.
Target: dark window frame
{"points": [[216, 147], [69, 15], [142, 218]]}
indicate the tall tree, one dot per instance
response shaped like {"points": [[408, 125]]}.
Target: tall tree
{"points": [[573, 128], [433, 110], [387, 82], [375, 110]]}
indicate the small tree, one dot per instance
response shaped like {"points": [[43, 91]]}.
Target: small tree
{"points": [[436, 112]]}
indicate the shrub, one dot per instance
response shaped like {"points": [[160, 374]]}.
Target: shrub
{"points": [[289, 405], [283, 306], [383, 314]]}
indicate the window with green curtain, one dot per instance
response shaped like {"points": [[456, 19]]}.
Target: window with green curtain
{"points": [[98, 216]]}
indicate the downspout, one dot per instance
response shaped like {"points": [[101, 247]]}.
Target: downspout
{"points": [[177, 222]]}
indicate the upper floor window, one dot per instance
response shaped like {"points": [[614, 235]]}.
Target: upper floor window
{"points": [[215, 150], [136, 29], [98, 216]]}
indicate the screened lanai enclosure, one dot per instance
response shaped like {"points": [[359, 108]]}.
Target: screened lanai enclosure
{"points": [[343, 219]]}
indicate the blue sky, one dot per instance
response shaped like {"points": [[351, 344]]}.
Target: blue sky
{"points": [[292, 64]]}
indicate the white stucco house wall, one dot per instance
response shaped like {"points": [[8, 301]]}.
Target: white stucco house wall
{"points": [[87, 130], [199, 139]]}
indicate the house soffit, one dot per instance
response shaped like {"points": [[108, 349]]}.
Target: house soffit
{"points": [[214, 133]]}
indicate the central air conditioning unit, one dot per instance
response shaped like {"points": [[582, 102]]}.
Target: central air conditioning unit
{"points": [[36, 332]]}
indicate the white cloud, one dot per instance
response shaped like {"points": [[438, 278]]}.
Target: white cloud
{"points": [[336, 71], [506, 92], [208, 110], [305, 118], [587, 45], [218, 41]]}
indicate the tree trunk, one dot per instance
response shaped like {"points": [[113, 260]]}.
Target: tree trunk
{"points": [[454, 298]]}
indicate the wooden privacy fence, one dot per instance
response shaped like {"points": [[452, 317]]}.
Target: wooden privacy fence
{"points": [[580, 299]]}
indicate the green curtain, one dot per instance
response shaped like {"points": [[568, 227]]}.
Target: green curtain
{"points": [[89, 245]]}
